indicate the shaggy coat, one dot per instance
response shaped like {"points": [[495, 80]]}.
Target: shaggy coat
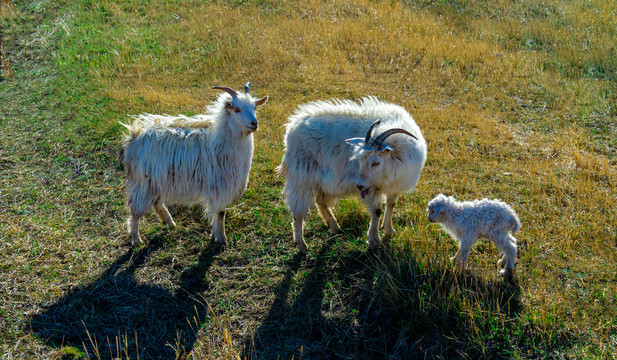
{"points": [[467, 221], [187, 160], [322, 163]]}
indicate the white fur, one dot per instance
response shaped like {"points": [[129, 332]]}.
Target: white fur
{"points": [[321, 167], [186, 160], [469, 220]]}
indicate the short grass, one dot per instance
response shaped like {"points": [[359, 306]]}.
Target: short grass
{"points": [[516, 101]]}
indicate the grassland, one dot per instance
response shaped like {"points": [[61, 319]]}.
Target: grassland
{"points": [[516, 101]]}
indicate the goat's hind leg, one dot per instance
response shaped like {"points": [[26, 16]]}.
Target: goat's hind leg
{"points": [[298, 225], [133, 226], [163, 214], [138, 202], [299, 206], [324, 203], [218, 227]]}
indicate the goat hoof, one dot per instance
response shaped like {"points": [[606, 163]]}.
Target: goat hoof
{"points": [[136, 241], [389, 233], [507, 272], [302, 248], [335, 231], [373, 245]]}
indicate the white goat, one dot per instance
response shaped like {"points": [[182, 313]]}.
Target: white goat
{"points": [[320, 167], [186, 160], [469, 220]]}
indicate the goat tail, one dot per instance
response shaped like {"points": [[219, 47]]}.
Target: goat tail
{"points": [[134, 129], [281, 170], [516, 223]]}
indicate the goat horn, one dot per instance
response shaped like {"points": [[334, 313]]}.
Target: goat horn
{"points": [[230, 91], [246, 87], [370, 130], [383, 136]]}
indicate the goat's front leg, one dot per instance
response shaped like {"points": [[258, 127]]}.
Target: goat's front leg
{"points": [[373, 231], [388, 229], [462, 255], [374, 205], [218, 227], [509, 258]]}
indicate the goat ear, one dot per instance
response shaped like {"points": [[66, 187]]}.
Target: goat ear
{"points": [[261, 101], [228, 107], [356, 142]]}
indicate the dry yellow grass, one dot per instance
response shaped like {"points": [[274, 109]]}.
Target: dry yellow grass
{"points": [[500, 96], [516, 101], [6, 8]]}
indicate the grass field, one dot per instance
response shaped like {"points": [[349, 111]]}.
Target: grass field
{"points": [[515, 99]]}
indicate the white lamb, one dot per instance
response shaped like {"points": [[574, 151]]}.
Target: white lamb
{"points": [[469, 220], [186, 160]]}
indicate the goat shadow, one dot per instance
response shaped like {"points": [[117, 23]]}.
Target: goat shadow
{"points": [[117, 316], [367, 326]]}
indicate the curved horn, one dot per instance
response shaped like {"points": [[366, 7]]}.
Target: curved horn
{"points": [[230, 91], [246, 87], [370, 130], [383, 136]]}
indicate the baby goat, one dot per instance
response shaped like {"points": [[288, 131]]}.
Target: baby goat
{"points": [[466, 221], [186, 160]]}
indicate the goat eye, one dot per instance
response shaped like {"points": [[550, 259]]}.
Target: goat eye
{"points": [[374, 164], [237, 110]]}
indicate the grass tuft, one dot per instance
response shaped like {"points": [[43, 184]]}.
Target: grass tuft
{"points": [[6, 11]]}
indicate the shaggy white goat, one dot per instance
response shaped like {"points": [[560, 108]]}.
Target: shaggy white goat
{"points": [[321, 167], [186, 160], [467, 221]]}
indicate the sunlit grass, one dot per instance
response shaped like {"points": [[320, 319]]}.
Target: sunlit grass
{"points": [[516, 101]]}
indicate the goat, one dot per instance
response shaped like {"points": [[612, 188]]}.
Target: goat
{"points": [[467, 221], [321, 168], [186, 160]]}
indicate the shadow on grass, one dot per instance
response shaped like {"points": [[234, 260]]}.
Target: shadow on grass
{"points": [[295, 324], [422, 309], [118, 317], [382, 305]]}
